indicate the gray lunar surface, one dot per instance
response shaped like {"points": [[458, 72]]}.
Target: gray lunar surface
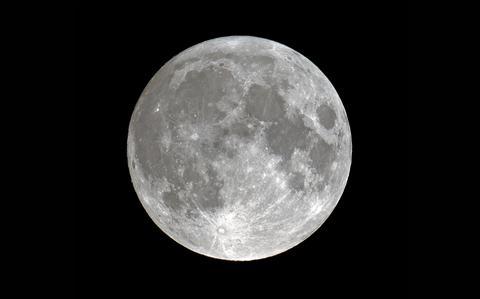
{"points": [[239, 148]]}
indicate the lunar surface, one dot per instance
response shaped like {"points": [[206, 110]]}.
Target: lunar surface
{"points": [[239, 148]]}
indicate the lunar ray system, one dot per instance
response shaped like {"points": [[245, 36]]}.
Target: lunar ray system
{"points": [[239, 148]]}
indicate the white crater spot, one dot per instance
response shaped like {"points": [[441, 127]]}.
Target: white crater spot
{"points": [[334, 165]]}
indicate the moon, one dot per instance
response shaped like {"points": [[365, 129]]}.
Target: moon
{"points": [[239, 148]]}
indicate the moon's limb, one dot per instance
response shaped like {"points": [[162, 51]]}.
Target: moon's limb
{"points": [[239, 148]]}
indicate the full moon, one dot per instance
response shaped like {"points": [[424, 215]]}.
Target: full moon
{"points": [[239, 148]]}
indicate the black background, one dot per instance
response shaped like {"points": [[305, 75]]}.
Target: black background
{"points": [[363, 49]]}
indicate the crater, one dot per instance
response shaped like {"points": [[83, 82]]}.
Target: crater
{"points": [[327, 116], [191, 214], [285, 85]]}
